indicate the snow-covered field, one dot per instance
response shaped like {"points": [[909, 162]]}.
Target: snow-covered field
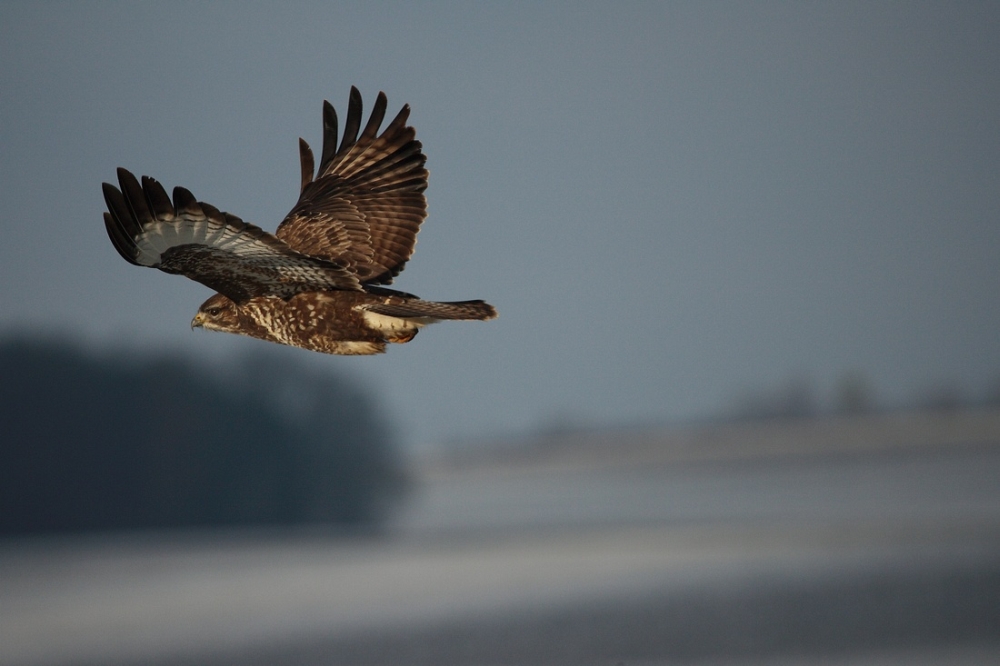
{"points": [[825, 554]]}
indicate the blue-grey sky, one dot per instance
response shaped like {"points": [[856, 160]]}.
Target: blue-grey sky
{"points": [[669, 203]]}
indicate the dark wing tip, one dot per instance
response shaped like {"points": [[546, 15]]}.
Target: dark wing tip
{"points": [[124, 245], [109, 191], [329, 115], [156, 197], [376, 117], [135, 197], [353, 124], [307, 163], [399, 122], [184, 202], [120, 211], [329, 136]]}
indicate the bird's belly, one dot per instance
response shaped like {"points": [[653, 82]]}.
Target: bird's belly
{"points": [[320, 321]]}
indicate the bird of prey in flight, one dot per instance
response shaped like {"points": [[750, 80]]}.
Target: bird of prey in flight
{"points": [[317, 282]]}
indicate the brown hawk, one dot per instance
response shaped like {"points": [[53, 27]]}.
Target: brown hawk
{"points": [[315, 282]]}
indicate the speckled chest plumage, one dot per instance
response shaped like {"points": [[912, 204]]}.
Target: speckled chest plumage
{"points": [[327, 322]]}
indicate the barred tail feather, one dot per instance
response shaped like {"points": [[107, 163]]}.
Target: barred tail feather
{"points": [[432, 310]]}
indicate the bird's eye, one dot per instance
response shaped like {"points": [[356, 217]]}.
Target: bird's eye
{"points": [[214, 311]]}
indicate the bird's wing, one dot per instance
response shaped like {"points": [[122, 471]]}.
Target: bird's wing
{"points": [[217, 249], [365, 206]]}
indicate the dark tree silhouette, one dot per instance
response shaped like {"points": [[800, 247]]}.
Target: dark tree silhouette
{"points": [[94, 443]]}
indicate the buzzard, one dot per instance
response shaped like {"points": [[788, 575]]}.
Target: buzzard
{"points": [[317, 282]]}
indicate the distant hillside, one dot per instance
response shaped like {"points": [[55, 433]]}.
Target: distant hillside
{"points": [[92, 443], [738, 441]]}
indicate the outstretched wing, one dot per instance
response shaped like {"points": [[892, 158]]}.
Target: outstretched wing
{"points": [[365, 206], [217, 249]]}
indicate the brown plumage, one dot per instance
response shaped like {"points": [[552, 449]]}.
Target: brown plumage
{"points": [[315, 282]]}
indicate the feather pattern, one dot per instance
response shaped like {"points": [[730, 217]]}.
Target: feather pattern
{"points": [[415, 308], [219, 250], [366, 204]]}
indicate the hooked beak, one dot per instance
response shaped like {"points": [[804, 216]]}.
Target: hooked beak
{"points": [[198, 321]]}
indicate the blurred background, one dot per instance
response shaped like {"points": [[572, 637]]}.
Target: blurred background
{"points": [[741, 405]]}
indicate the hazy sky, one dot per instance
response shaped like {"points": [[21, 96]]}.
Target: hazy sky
{"points": [[669, 203]]}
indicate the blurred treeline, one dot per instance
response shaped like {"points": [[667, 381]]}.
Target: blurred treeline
{"points": [[95, 442]]}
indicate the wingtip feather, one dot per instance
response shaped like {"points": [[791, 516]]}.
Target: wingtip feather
{"points": [[306, 163], [156, 197], [355, 109], [122, 243], [185, 203], [330, 131]]}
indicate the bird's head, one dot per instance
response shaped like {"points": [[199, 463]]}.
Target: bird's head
{"points": [[217, 314]]}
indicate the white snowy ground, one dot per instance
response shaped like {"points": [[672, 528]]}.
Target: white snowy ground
{"points": [[860, 554]]}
